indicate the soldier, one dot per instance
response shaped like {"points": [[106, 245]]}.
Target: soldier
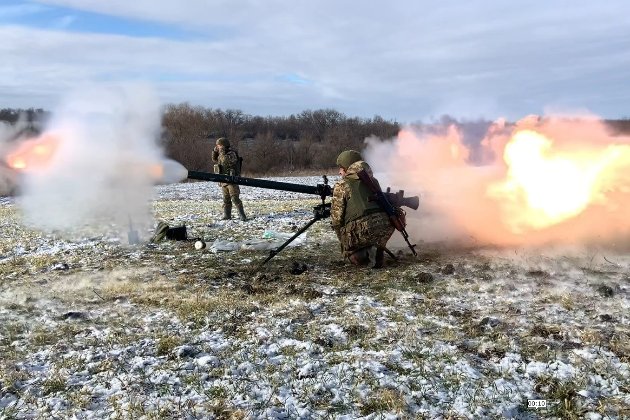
{"points": [[363, 228], [227, 162]]}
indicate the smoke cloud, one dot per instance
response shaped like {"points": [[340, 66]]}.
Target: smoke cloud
{"points": [[473, 192], [105, 162]]}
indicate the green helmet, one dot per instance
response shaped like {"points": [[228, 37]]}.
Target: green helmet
{"points": [[222, 141], [347, 158]]}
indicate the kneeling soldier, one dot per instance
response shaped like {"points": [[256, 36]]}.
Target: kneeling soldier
{"points": [[363, 228]]}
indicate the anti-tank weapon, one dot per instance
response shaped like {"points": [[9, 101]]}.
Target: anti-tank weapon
{"points": [[320, 211], [323, 190]]}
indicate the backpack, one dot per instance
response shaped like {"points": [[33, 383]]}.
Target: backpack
{"points": [[239, 164], [160, 232], [164, 231]]}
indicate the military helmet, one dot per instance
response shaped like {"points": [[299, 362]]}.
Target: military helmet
{"points": [[347, 158], [222, 141]]}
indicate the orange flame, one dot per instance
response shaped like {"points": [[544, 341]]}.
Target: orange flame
{"points": [[544, 187], [156, 171], [33, 154], [37, 154], [543, 180]]}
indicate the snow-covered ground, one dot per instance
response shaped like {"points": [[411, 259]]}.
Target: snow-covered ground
{"points": [[91, 327]]}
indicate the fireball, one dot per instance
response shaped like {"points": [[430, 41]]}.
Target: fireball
{"points": [[546, 186], [33, 154]]}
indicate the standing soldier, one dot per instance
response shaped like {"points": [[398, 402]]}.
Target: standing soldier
{"points": [[227, 162], [363, 228]]}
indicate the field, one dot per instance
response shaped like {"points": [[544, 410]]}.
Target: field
{"points": [[91, 327]]}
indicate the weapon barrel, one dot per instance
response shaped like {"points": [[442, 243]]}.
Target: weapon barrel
{"points": [[321, 189]]}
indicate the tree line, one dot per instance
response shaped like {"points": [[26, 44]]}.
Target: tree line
{"points": [[304, 142], [12, 116], [307, 141]]}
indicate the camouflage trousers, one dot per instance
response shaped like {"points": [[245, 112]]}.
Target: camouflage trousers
{"points": [[371, 230], [231, 194]]}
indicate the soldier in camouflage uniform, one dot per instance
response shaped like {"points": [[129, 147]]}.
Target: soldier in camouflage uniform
{"points": [[226, 162], [363, 228]]}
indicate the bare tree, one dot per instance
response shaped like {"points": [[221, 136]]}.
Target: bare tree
{"points": [[185, 136]]}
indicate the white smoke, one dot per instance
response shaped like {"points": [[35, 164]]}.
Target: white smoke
{"points": [[100, 174]]}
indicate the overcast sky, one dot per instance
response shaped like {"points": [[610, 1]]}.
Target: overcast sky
{"points": [[407, 60]]}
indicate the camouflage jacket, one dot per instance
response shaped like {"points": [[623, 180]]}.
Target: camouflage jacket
{"points": [[351, 198], [227, 161]]}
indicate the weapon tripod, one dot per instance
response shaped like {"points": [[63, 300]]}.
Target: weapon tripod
{"points": [[320, 211]]}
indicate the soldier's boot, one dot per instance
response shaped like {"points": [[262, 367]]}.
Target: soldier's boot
{"points": [[371, 252], [227, 212], [376, 256], [359, 257], [241, 213], [380, 257]]}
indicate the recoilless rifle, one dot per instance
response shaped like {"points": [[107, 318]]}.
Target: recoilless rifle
{"points": [[389, 202]]}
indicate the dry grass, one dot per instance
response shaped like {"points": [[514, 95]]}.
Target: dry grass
{"points": [[418, 329]]}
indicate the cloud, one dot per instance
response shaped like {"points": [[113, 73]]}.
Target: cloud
{"points": [[64, 22], [406, 61], [18, 10]]}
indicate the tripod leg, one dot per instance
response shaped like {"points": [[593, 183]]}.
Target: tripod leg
{"points": [[276, 251], [390, 253]]}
